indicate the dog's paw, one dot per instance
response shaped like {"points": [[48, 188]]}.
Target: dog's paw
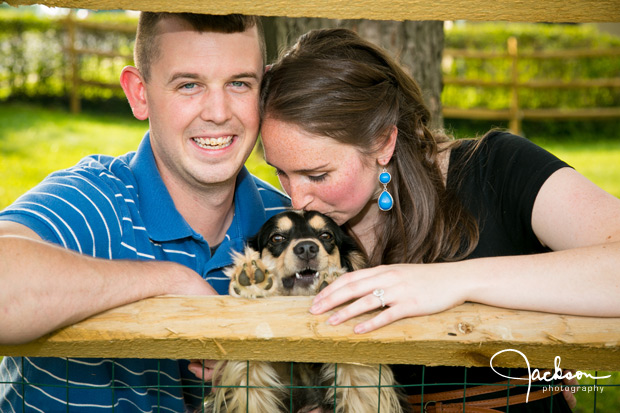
{"points": [[327, 277], [250, 277]]}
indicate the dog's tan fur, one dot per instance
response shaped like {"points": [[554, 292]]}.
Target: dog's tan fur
{"points": [[260, 274]]}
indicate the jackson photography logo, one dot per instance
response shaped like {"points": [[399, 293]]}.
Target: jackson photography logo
{"points": [[547, 376]]}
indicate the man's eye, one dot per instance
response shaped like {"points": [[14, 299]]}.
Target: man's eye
{"points": [[188, 86], [238, 83]]}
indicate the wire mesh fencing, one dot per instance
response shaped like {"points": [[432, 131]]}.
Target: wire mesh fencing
{"points": [[461, 391]]}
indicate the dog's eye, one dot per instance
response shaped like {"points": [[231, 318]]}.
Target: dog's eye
{"points": [[326, 236], [277, 238]]}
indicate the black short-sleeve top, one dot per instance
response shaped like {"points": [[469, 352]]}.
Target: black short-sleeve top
{"points": [[498, 183], [497, 179]]}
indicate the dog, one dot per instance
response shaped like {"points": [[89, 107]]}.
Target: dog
{"points": [[298, 253]]}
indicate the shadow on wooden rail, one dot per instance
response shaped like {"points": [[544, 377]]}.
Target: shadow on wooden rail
{"points": [[282, 329]]}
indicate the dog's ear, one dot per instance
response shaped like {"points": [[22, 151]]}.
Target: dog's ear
{"points": [[253, 242], [354, 260], [259, 241], [351, 256]]}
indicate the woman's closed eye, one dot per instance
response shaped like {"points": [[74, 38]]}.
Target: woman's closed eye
{"points": [[313, 178], [317, 178]]}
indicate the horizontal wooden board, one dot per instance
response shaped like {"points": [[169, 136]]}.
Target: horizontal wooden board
{"points": [[507, 10], [282, 329]]}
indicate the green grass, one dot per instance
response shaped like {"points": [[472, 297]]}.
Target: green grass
{"points": [[599, 160]]}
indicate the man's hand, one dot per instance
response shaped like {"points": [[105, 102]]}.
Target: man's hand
{"points": [[203, 369]]}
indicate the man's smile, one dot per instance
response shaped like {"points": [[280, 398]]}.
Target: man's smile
{"points": [[214, 143]]}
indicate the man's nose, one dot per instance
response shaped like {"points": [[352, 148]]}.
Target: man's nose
{"points": [[216, 107]]}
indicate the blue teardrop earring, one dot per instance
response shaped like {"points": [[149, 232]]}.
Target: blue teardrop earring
{"points": [[385, 199]]}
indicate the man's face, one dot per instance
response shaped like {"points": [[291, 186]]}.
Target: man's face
{"points": [[202, 100]]}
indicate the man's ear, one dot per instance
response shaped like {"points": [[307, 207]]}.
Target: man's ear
{"points": [[386, 152], [135, 89]]}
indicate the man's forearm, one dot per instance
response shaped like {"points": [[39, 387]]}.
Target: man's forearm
{"points": [[44, 287]]}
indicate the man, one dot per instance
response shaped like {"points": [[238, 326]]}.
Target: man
{"points": [[158, 221]]}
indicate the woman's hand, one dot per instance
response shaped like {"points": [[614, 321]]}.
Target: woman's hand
{"points": [[408, 290]]}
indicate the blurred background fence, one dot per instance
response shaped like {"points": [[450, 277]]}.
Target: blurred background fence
{"points": [[527, 73], [504, 73]]}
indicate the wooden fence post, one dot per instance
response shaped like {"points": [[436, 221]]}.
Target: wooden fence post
{"points": [[515, 113]]}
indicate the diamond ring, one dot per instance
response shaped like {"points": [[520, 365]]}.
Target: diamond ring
{"points": [[379, 294]]}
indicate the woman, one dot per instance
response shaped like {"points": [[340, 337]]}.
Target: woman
{"points": [[497, 221]]}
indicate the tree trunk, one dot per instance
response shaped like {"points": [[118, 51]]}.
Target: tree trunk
{"points": [[416, 45]]}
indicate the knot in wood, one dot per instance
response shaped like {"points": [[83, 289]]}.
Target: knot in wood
{"points": [[465, 328]]}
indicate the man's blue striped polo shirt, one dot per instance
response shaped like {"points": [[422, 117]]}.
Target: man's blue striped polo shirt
{"points": [[119, 208]]}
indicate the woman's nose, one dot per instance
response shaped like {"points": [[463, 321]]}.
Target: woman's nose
{"points": [[301, 197]]}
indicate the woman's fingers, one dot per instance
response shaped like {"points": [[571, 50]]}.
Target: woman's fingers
{"points": [[382, 319], [360, 306], [345, 288], [343, 281], [403, 289]]}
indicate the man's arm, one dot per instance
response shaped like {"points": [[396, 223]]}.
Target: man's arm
{"points": [[44, 287]]}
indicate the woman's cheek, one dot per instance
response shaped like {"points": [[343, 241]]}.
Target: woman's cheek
{"points": [[349, 195]]}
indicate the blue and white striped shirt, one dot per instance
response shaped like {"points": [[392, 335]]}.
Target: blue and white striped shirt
{"points": [[119, 208]]}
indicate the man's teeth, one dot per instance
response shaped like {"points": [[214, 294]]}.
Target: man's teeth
{"points": [[211, 143], [298, 275]]}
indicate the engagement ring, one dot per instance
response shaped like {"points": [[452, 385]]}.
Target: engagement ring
{"points": [[379, 294]]}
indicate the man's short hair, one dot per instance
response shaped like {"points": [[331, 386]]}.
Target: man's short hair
{"points": [[146, 49]]}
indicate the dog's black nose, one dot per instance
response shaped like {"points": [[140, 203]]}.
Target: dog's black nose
{"points": [[306, 250]]}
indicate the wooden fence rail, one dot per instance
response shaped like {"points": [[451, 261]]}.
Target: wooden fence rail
{"points": [[515, 114], [282, 329]]}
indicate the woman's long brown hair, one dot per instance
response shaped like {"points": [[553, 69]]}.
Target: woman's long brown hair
{"points": [[333, 83]]}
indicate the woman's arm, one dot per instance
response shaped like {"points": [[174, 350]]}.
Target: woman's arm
{"points": [[571, 215]]}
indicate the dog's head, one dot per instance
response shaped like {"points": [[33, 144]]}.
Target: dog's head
{"points": [[303, 245]]}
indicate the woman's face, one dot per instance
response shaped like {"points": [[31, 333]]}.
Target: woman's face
{"points": [[319, 173]]}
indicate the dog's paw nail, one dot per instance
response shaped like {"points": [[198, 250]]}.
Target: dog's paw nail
{"points": [[323, 285], [269, 284], [259, 276], [244, 279]]}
